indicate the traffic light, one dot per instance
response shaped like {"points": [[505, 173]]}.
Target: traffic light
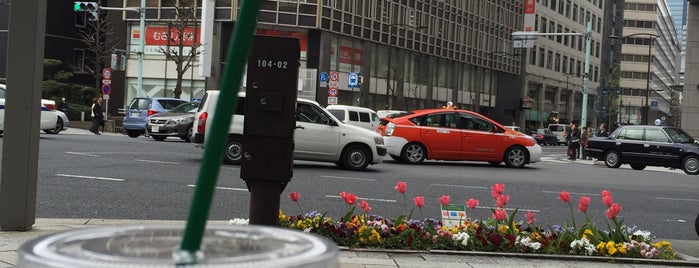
{"points": [[91, 7]]}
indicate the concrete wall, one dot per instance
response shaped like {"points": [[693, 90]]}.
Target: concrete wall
{"points": [[690, 101]]}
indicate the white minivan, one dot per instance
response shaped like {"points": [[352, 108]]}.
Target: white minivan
{"points": [[353, 115], [318, 135], [559, 130]]}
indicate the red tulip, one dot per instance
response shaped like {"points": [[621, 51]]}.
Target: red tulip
{"points": [[564, 196], [497, 189], [605, 193], [583, 203], [613, 211], [365, 206], [500, 214], [294, 196], [502, 200], [472, 203], [445, 199], [401, 187], [607, 200], [531, 217], [349, 198], [419, 201]]}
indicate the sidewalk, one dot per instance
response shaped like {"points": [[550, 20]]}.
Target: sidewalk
{"points": [[688, 251]]}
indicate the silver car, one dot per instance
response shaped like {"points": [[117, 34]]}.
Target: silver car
{"points": [[175, 123]]}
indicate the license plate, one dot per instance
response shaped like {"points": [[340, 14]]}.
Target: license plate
{"points": [[155, 129], [134, 114]]}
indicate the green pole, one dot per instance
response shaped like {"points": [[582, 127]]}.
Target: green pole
{"points": [[213, 154]]}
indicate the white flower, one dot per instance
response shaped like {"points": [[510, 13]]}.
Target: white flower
{"points": [[462, 237], [238, 221], [644, 234], [582, 245], [535, 245], [308, 230]]}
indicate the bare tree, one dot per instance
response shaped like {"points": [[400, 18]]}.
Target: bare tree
{"points": [[99, 48], [182, 33]]}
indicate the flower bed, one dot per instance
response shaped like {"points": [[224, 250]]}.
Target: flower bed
{"points": [[500, 233]]}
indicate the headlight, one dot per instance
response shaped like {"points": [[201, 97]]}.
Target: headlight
{"points": [[389, 128], [378, 140]]}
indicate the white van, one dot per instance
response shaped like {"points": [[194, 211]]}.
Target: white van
{"points": [[559, 130], [318, 136], [353, 115]]}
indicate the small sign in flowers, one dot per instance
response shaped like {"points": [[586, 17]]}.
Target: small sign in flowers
{"points": [[453, 214]]}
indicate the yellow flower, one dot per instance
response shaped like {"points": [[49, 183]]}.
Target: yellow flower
{"points": [[600, 246], [282, 217], [536, 236], [662, 244], [586, 233], [621, 248], [375, 236], [502, 229], [611, 249]]}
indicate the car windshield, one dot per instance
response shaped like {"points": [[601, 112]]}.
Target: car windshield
{"points": [[678, 135], [188, 107]]}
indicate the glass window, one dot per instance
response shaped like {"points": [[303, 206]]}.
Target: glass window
{"points": [[440, 120], [340, 114], [354, 116], [656, 135], [679, 136], [634, 134], [311, 114], [471, 122], [364, 117], [169, 104], [140, 104]]}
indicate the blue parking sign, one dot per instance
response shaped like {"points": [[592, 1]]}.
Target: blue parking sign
{"points": [[323, 77], [654, 105]]}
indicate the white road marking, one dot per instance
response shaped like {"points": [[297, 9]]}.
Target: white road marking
{"points": [[156, 161], [680, 220], [553, 192], [83, 154], [224, 188], [347, 178], [368, 199], [89, 177], [460, 186], [510, 209], [677, 199]]}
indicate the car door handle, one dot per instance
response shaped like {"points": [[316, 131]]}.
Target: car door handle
{"points": [[300, 127]]}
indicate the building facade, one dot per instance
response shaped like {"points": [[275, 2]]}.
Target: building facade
{"points": [[690, 94], [648, 71], [555, 65], [410, 54]]}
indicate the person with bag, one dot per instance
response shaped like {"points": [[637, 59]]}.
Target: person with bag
{"points": [[586, 135], [97, 116], [573, 141]]}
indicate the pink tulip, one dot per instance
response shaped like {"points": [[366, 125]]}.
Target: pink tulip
{"points": [[497, 189], [500, 214], [444, 200], [605, 193], [401, 187], [613, 211], [419, 201], [583, 203], [349, 198], [294, 196], [502, 200], [531, 217], [365, 206], [607, 200], [472, 203], [564, 196]]}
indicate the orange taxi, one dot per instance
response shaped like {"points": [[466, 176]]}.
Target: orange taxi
{"points": [[457, 135]]}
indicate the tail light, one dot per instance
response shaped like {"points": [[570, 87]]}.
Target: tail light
{"points": [[201, 126], [51, 107], [152, 112]]}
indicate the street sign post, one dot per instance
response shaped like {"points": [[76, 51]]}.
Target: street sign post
{"points": [[353, 80]]}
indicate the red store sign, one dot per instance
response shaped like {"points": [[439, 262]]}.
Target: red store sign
{"points": [[158, 36], [350, 55]]}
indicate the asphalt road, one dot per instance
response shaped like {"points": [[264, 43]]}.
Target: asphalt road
{"points": [[82, 175]]}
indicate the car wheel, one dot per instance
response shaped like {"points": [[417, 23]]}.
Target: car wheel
{"points": [[638, 166], [690, 165], [516, 157], [395, 157], [612, 159], [355, 157], [494, 163], [234, 151], [187, 134], [57, 129], [133, 133], [413, 153], [159, 138]]}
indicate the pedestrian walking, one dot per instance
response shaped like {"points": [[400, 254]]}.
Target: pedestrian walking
{"points": [[97, 116], [573, 141], [603, 132], [62, 106], [586, 135]]}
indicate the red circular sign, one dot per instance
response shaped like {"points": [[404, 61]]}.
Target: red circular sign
{"points": [[107, 73], [332, 91], [334, 76]]}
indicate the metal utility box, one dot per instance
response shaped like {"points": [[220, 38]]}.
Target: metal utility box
{"points": [[270, 107]]}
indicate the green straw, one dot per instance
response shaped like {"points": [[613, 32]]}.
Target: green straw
{"points": [[217, 134]]}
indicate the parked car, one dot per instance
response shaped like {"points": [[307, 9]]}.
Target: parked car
{"points": [[544, 136], [390, 113], [560, 131], [641, 146], [318, 136], [62, 121], [143, 107], [353, 115], [516, 128], [48, 119], [177, 122], [442, 134]]}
